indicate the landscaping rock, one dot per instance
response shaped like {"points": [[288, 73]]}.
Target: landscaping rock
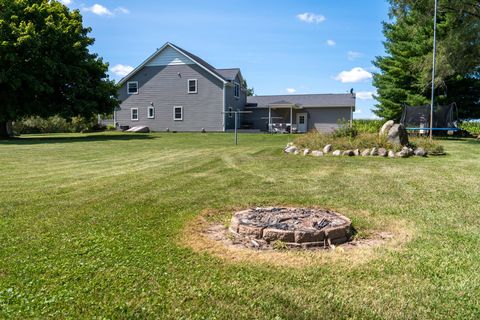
{"points": [[420, 152], [382, 152], [398, 135], [386, 127], [327, 148], [391, 154], [374, 152], [348, 153], [356, 152], [306, 151], [317, 153], [290, 149], [402, 154], [365, 153], [296, 152], [337, 153]]}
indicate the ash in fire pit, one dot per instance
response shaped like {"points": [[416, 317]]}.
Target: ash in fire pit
{"points": [[296, 227]]}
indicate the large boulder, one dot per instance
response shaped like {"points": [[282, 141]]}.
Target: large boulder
{"points": [[386, 127], [374, 152], [365, 153], [398, 135], [348, 153], [306, 152], [391, 154]]}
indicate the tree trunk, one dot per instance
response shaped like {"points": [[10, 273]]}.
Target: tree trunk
{"points": [[4, 130]]}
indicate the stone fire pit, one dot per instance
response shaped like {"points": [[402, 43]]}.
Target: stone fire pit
{"points": [[294, 227]]}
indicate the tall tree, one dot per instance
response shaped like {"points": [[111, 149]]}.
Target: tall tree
{"points": [[45, 64], [405, 72], [250, 91]]}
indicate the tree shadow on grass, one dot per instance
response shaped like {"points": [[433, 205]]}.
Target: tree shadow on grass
{"points": [[69, 139]]}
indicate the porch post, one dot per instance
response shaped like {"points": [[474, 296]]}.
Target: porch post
{"points": [[269, 119], [291, 118]]}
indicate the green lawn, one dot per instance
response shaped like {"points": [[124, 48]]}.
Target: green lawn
{"points": [[90, 228]]}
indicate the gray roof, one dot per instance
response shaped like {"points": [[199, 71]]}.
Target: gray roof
{"points": [[305, 100], [228, 74], [199, 60]]}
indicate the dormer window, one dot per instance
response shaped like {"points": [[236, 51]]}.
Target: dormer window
{"points": [[132, 87], [192, 86], [236, 89]]}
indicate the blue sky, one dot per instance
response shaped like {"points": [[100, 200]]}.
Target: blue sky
{"points": [[282, 47]]}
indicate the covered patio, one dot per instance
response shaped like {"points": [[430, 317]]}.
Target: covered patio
{"points": [[281, 117]]}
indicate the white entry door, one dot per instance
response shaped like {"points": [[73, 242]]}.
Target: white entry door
{"points": [[302, 122]]}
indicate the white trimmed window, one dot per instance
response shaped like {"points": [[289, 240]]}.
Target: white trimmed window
{"points": [[236, 89], [134, 114], [177, 113], [132, 87], [192, 85], [151, 112]]}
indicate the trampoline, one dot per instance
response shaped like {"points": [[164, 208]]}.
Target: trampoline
{"points": [[417, 118]]}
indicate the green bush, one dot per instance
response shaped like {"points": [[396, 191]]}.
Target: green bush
{"points": [[368, 126], [471, 126], [55, 124], [345, 130]]}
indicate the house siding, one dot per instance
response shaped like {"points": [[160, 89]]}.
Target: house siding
{"points": [[326, 119], [166, 87], [235, 103]]}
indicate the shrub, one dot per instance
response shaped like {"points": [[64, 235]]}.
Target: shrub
{"points": [[55, 124], [345, 129], [368, 126], [473, 127]]}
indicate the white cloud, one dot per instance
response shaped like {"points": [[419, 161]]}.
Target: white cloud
{"points": [[309, 17], [100, 10], [121, 70], [352, 55], [66, 2], [365, 95], [331, 43], [355, 75], [291, 90], [122, 10], [357, 111]]}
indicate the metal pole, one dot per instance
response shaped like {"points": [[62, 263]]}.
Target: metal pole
{"points": [[236, 134], [433, 68]]}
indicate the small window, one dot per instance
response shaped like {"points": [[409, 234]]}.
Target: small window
{"points": [[151, 112], [192, 86], [132, 87], [230, 113], [134, 114], [177, 113], [236, 89]]}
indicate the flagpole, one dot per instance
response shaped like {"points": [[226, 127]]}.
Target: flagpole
{"points": [[433, 68]]}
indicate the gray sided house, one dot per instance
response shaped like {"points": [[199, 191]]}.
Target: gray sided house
{"points": [[176, 90]]}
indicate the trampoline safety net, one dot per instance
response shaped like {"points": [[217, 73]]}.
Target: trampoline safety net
{"points": [[444, 117]]}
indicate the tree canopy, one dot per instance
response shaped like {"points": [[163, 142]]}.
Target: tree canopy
{"points": [[46, 67], [404, 75]]}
